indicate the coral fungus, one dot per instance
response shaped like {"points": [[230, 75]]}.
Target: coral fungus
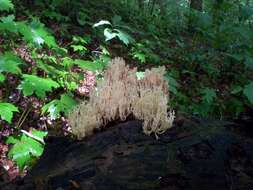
{"points": [[121, 94]]}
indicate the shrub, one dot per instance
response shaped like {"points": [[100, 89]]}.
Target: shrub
{"points": [[121, 94]]}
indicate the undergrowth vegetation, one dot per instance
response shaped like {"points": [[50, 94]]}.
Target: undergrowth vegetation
{"points": [[52, 52]]}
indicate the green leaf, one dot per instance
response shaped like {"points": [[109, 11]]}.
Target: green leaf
{"points": [[55, 107], [20, 154], [123, 36], [82, 18], [237, 57], [236, 89], [249, 62], [109, 34], [2, 77], [6, 111], [8, 24], [39, 134], [10, 63], [6, 5], [37, 34], [79, 48], [36, 135], [11, 140], [116, 19], [89, 65], [33, 84], [140, 56], [208, 95], [102, 22], [248, 92], [67, 62], [173, 84], [8, 19], [246, 12], [26, 147]]}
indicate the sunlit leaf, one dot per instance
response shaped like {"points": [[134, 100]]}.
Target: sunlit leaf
{"points": [[6, 111], [102, 22], [6, 5], [123, 36], [89, 65], [10, 63], [26, 147], [109, 34], [79, 48], [56, 107], [33, 84], [2, 77], [37, 34], [140, 56]]}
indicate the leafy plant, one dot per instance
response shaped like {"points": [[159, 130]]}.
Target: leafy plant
{"points": [[64, 105], [10, 63], [37, 34], [27, 147], [138, 52], [248, 92], [111, 33], [79, 43], [89, 65], [2, 77], [33, 84], [6, 5], [208, 95], [6, 111]]}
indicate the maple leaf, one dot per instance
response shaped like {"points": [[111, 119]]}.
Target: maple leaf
{"points": [[55, 107], [6, 111], [6, 5], [33, 84], [10, 63], [26, 147]]}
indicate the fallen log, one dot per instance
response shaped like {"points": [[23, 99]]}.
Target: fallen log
{"points": [[198, 154]]}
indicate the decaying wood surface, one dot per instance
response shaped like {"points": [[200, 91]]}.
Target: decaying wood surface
{"points": [[197, 154]]}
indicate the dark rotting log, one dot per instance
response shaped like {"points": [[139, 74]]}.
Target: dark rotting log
{"points": [[198, 154]]}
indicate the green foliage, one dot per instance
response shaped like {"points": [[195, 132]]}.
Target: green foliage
{"points": [[10, 63], [2, 77], [27, 147], [37, 34], [54, 108], [139, 52], [208, 95], [6, 5], [248, 92], [111, 33], [79, 43], [173, 84], [89, 65], [33, 84], [6, 111]]}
